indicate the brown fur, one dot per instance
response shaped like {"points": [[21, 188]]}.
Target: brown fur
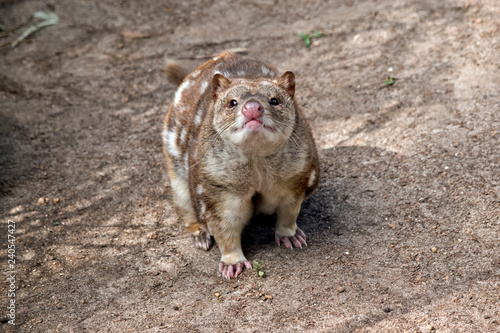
{"points": [[221, 173]]}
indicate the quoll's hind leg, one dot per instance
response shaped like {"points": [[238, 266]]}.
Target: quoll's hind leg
{"points": [[202, 239], [227, 229], [287, 231]]}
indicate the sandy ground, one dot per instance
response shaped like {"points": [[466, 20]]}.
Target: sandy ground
{"points": [[403, 230]]}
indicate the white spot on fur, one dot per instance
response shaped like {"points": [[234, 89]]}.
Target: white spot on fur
{"points": [[203, 87], [199, 189], [183, 135], [197, 118], [265, 70], [170, 139], [186, 162], [225, 73], [241, 73], [312, 179], [195, 74], [215, 58], [203, 208], [164, 135], [178, 93]]}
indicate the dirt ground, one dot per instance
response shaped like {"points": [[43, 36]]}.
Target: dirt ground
{"points": [[403, 231]]}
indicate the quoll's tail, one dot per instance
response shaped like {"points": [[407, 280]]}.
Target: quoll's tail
{"points": [[175, 73]]}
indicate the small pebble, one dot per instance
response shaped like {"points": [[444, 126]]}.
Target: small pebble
{"points": [[268, 297], [41, 201], [340, 289], [176, 308], [217, 294], [434, 250], [387, 309], [430, 328], [39, 320]]}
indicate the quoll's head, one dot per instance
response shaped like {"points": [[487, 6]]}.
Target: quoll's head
{"points": [[254, 113]]}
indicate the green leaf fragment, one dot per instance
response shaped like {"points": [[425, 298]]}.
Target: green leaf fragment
{"points": [[389, 81], [306, 38], [48, 18], [317, 34]]}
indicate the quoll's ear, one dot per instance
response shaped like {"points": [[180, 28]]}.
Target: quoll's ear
{"points": [[287, 82], [219, 84]]}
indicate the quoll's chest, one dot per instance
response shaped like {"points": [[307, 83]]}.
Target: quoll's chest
{"points": [[242, 174]]}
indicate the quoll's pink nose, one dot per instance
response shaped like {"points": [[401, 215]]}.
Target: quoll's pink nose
{"points": [[252, 110]]}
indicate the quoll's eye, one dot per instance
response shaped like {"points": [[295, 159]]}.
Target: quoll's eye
{"points": [[233, 103], [274, 101]]}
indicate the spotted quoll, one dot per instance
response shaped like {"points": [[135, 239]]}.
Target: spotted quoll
{"points": [[237, 144]]}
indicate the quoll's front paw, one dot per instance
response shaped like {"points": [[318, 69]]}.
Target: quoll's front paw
{"points": [[229, 271], [296, 240]]}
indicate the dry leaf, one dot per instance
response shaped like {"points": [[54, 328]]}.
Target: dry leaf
{"points": [[133, 35]]}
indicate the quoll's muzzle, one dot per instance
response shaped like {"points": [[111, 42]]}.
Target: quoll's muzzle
{"points": [[253, 111]]}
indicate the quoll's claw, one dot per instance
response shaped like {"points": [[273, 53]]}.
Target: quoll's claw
{"points": [[297, 240], [202, 241], [229, 271]]}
